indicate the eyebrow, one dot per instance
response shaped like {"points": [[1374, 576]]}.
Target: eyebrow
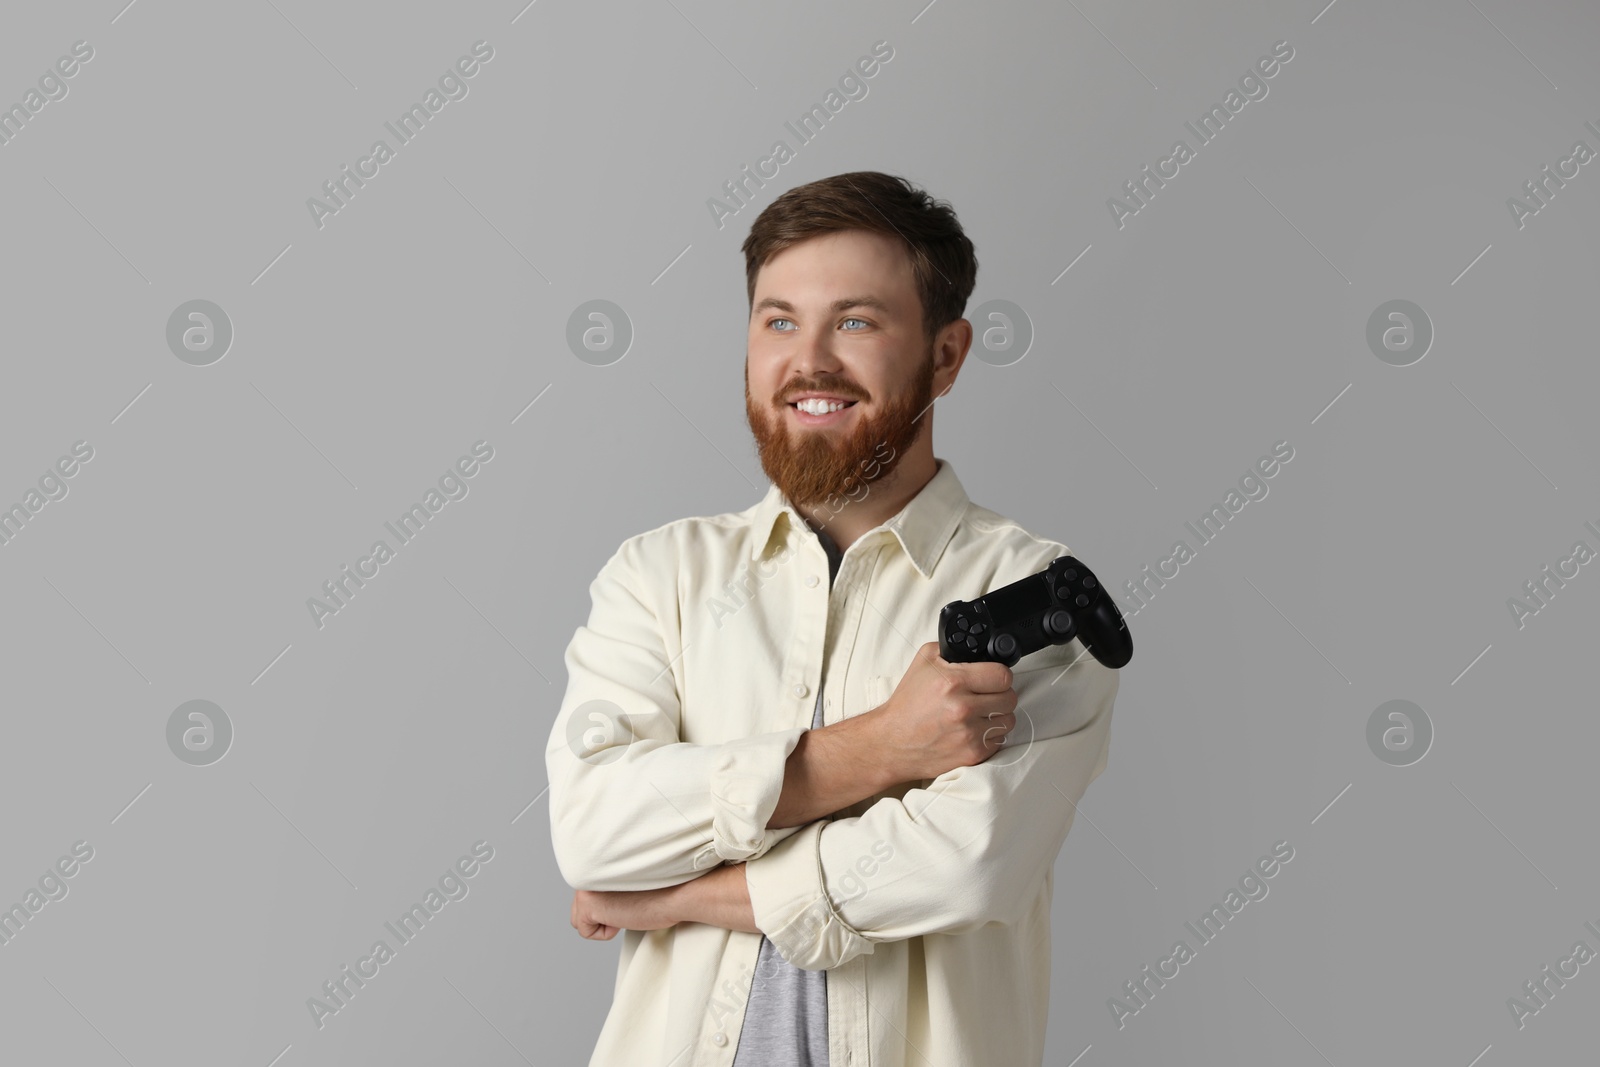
{"points": [[839, 305]]}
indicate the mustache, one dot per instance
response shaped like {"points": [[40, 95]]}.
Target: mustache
{"points": [[789, 395]]}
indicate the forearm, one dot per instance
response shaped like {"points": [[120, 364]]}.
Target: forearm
{"points": [[718, 898], [831, 768]]}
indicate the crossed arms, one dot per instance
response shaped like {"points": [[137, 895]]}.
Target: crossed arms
{"points": [[655, 830], [830, 768]]}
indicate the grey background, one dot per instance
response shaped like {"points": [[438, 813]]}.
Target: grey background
{"points": [[369, 354]]}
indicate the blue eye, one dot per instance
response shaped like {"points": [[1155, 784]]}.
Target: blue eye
{"points": [[854, 319], [775, 321]]}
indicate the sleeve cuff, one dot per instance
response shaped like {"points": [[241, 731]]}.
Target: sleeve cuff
{"points": [[746, 782], [790, 902]]}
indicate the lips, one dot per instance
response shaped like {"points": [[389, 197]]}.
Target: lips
{"points": [[806, 418], [823, 397]]}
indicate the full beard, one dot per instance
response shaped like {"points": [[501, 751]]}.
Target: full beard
{"points": [[810, 466]]}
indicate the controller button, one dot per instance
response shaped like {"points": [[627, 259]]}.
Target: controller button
{"points": [[1088, 581], [972, 642], [977, 628], [1083, 600], [1069, 574], [961, 621]]}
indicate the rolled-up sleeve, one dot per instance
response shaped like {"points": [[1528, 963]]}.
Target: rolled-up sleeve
{"points": [[972, 847], [631, 805]]}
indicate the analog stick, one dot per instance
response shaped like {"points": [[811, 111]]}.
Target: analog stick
{"points": [[1004, 646], [1058, 623]]}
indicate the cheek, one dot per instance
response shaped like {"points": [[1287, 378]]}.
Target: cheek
{"points": [[755, 380]]}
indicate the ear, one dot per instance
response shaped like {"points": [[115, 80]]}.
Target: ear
{"points": [[949, 353]]}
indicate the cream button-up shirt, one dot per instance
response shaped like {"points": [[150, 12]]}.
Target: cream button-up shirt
{"points": [[928, 904]]}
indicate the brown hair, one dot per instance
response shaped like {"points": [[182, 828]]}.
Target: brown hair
{"points": [[943, 261]]}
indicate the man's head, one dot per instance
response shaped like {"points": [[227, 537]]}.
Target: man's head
{"points": [[857, 284]]}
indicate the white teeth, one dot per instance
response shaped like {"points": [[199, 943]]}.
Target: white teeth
{"points": [[817, 406]]}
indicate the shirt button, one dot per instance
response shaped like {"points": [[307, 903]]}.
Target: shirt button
{"points": [[811, 581], [719, 1039], [800, 689]]}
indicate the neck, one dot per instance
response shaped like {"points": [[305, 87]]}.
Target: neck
{"points": [[885, 497]]}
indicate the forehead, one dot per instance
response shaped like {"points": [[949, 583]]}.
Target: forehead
{"points": [[822, 269]]}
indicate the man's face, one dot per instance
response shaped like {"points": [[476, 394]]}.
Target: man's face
{"points": [[837, 317]]}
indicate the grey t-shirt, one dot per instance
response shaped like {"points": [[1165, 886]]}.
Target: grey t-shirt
{"points": [[786, 1017]]}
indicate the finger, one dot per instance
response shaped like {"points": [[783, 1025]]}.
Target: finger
{"points": [[985, 704], [986, 677]]}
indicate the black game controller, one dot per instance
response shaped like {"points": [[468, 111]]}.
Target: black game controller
{"points": [[1061, 602]]}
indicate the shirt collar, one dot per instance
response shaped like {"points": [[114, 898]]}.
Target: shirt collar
{"points": [[923, 527]]}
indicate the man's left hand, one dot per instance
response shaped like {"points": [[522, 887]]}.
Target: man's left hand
{"points": [[599, 915]]}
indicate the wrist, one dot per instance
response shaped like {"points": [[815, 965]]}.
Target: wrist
{"points": [[685, 902], [882, 761], [720, 897]]}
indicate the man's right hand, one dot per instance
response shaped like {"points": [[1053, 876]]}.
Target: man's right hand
{"points": [[941, 716], [945, 715]]}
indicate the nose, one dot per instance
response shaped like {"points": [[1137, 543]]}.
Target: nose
{"points": [[814, 357]]}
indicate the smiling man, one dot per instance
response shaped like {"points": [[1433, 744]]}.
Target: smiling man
{"points": [[822, 842]]}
